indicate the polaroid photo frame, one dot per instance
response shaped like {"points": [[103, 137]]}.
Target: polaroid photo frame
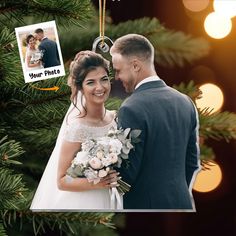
{"points": [[40, 52]]}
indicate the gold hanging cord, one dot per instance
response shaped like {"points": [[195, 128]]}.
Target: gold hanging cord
{"points": [[100, 40], [102, 16]]}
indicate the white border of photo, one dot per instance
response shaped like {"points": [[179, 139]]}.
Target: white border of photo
{"points": [[44, 73]]}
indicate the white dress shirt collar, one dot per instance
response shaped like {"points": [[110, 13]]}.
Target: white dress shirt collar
{"points": [[146, 80]]}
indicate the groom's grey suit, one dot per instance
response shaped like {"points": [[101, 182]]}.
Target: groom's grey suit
{"points": [[163, 164]]}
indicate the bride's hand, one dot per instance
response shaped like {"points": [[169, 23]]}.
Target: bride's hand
{"points": [[38, 63], [110, 180]]}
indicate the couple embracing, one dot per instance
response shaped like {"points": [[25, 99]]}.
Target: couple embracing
{"points": [[163, 165], [45, 55]]}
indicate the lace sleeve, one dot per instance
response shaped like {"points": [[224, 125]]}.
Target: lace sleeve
{"points": [[78, 132], [75, 133]]}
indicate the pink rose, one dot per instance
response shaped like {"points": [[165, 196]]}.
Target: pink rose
{"points": [[95, 163], [102, 173]]}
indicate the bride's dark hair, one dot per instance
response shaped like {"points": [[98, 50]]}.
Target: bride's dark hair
{"points": [[28, 38], [83, 63]]}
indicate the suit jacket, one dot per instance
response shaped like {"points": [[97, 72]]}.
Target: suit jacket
{"points": [[163, 164], [50, 53]]}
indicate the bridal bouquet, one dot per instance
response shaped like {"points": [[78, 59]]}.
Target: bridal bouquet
{"points": [[98, 156], [37, 56]]}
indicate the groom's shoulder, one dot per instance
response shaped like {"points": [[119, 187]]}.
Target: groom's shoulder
{"points": [[47, 41], [133, 102], [135, 98]]}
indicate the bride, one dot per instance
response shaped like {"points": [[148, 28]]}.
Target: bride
{"points": [[86, 118], [33, 57]]}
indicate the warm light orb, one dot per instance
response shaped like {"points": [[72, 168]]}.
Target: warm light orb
{"points": [[226, 7], [212, 97], [208, 179], [217, 26], [194, 5]]}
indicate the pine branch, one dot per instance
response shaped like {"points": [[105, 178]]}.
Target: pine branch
{"points": [[176, 48], [7, 39], [65, 221], [184, 49], [27, 105], [80, 38], [2, 230], [206, 153], [11, 189], [10, 68], [145, 26], [65, 12], [189, 89], [113, 103], [36, 115], [40, 138], [172, 48], [220, 125], [28, 93], [8, 151]]}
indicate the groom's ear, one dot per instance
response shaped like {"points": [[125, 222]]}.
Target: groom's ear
{"points": [[136, 65]]}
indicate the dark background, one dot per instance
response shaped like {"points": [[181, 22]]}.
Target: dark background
{"points": [[216, 210]]}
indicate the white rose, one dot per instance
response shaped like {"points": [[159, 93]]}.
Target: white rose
{"points": [[104, 141], [113, 157], [102, 173], [95, 163], [81, 158], [87, 145], [100, 154], [106, 161], [115, 146], [92, 176]]}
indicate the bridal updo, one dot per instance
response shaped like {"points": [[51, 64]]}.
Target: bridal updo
{"points": [[83, 63]]}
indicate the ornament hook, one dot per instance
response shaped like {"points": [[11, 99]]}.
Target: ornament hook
{"points": [[101, 44]]}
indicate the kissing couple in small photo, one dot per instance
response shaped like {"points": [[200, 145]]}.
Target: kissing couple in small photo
{"points": [[44, 55], [144, 156]]}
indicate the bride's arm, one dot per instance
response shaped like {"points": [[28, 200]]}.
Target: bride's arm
{"points": [[31, 65], [67, 153]]}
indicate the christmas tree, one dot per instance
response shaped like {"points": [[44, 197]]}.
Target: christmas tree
{"points": [[30, 118]]}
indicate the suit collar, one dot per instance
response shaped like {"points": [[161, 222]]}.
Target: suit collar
{"points": [[154, 84], [148, 79]]}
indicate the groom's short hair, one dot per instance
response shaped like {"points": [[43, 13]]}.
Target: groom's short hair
{"points": [[134, 45], [39, 30]]}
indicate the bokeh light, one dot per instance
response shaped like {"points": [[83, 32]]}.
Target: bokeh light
{"points": [[217, 26], [212, 97], [194, 5], [226, 7], [208, 179]]}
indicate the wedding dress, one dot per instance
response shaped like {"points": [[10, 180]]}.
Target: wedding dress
{"points": [[35, 55], [48, 197]]}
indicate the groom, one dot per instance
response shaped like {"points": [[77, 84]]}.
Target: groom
{"points": [[163, 166], [49, 49]]}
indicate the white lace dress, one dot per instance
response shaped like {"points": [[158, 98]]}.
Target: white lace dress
{"points": [[48, 197], [35, 55]]}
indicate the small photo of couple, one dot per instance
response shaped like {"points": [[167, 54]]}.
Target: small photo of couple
{"points": [[40, 51]]}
